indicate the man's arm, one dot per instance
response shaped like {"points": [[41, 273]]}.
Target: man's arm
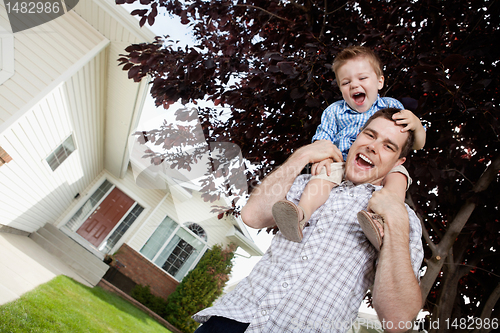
{"points": [[396, 292], [257, 211]]}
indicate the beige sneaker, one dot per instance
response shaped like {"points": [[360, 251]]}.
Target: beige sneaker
{"points": [[286, 214], [368, 222]]}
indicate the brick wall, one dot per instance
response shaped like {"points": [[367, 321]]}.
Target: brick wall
{"points": [[144, 272]]}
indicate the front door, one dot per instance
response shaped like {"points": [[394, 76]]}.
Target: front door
{"points": [[105, 217]]}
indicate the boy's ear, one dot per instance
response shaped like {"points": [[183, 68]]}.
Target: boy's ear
{"points": [[380, 82]]}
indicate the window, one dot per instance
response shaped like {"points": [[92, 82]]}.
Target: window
{"points": [[175, 248], [4, 157], [61, 153]]}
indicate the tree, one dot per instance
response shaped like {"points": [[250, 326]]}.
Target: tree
{"points": [[200, 288], [269, 62]]}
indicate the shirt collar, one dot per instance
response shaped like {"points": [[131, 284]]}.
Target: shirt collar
{"points": [[368, 186]]}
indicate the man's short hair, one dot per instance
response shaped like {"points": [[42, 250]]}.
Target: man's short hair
{"points": [[352, 52], [387, 114]]}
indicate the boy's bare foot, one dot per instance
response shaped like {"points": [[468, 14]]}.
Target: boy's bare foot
{"points": [[373, 227], [290, 219]]}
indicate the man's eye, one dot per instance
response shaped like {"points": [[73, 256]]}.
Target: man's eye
{"points": [[391, 148]]}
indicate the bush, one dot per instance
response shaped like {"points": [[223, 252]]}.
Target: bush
{"points": [[155, 303], [200, 288]]}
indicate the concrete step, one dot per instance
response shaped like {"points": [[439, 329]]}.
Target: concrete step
{"points": [[88, 266], [72, 248]]}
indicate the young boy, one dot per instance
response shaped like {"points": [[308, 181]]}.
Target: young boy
{"points": [[358, 71]]}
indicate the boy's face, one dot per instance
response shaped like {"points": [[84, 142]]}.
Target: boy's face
{"points": [[359, 84]]}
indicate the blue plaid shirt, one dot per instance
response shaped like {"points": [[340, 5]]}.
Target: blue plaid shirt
{"points": [[340, 124]]}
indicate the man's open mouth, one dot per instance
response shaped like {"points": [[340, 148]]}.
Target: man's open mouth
{"points": [[364, 161], [359, 98]]}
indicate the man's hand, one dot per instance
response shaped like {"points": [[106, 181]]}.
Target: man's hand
{"points": [[318, 166], [411, 123], [257, 211], [319, 151]]}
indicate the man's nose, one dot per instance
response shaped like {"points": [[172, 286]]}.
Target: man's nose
{"points": [[372, 147]]}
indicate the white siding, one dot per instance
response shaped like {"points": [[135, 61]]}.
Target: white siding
{"points": [[42, 55], [113, 21], [32, 194]]}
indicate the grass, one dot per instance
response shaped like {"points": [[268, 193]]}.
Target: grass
{"points": [[66, 306]]}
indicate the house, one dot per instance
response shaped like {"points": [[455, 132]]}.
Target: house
{"points": [[67, 179]]}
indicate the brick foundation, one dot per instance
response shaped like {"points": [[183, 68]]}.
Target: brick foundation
{"points": [[144, 272]]}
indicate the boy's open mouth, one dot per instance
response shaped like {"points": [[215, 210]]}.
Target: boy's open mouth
{"points": [[359, 98], [364, 162]]}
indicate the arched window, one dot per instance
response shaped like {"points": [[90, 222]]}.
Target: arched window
{"points": [[197, 230]]}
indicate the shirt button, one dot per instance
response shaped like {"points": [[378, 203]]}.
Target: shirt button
{"points": [[264, 312], [285, 285], [304, 257], [351, 194], [320, 230]]}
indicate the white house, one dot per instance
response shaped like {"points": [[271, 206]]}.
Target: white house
{"points": [[67, 111]]}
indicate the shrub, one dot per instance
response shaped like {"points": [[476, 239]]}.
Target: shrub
{"points": [[155, 303], [200, 288]]}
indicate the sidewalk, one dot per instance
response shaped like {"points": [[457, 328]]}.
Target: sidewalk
{"points": [[24, 265]]}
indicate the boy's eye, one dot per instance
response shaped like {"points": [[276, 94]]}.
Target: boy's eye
{"points": [[391, 148]]}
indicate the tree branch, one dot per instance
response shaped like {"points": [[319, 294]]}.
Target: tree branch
{"points": [[488, 308], [463, 215], [425, 233], [265, 11]]}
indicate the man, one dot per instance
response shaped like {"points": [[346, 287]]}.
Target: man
{"points": [[317, 285]]}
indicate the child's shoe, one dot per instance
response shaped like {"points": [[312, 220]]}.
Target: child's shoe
{"points": [[286, 214], [368, 222]]}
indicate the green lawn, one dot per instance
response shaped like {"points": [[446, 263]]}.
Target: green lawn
{"points": [[66, 306]]}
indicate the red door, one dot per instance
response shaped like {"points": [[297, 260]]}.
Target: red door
{"points": [[105, 217]]}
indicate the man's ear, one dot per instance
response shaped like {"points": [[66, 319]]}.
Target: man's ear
{"points": [[380, 82], [400, 161]]}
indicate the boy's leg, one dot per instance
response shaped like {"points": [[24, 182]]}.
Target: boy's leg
{"points": [[315, 194], [291, 218], [397, 181]]}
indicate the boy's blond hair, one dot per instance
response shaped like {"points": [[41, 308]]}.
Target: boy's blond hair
{"points": [[352, 52]]}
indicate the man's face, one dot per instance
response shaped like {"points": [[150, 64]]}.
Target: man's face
{"points": [[375, 152], [359, 84]]}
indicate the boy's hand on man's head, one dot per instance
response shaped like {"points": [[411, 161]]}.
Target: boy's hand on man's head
{"points": [[411, 123], [407, 118]]}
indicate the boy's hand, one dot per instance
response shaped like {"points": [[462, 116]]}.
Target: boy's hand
{"points": [[411, 123], [407, 118]]}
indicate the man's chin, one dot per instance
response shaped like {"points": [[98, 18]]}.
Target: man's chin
{"points": [[361, 176]]}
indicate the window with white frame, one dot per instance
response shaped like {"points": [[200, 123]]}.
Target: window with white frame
{"points": [[176, 248], [61, 153]]}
